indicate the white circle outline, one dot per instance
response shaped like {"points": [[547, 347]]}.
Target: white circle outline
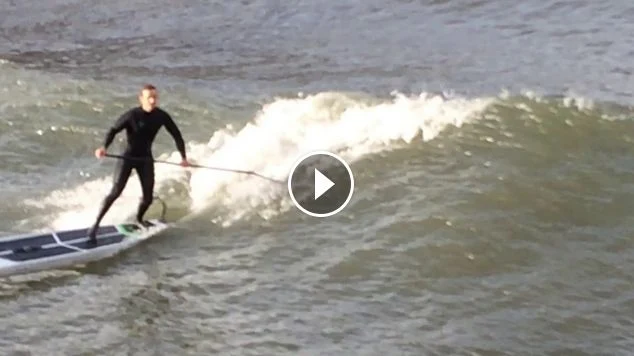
{"points": [[315, 153]]}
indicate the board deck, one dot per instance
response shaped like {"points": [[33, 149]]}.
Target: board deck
{"points": [[27, 253]]}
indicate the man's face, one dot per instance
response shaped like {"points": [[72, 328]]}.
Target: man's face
{"points": [[148, 99]]}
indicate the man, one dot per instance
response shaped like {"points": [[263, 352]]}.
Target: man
{"points": [[141, 123]]}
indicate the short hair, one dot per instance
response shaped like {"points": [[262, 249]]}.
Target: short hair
{"points": [[148, 87]]}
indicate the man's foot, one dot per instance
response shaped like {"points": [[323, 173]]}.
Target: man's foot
{"points": [[92, 236], [145, 223]]}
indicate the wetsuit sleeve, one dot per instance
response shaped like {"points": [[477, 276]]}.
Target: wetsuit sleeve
{"points": [[119, 125], [171, 127]]}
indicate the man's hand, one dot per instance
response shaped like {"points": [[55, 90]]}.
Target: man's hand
{"points": [[100, 152], [185, 162]]}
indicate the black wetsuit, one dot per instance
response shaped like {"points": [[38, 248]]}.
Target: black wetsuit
{"points": [[141, 129]]}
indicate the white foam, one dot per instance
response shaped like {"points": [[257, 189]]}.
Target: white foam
{"points": [[288, 128], [280, 133]]}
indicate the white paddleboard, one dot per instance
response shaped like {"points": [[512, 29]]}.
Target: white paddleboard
{"points": [[28, 253]]}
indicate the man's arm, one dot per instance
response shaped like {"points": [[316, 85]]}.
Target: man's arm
{"points": [[119, 125], [171, 127]]}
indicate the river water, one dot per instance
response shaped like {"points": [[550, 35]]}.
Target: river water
{"points": [[491, 144]]}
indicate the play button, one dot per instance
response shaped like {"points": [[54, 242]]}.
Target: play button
{"points": [[320, 184]]}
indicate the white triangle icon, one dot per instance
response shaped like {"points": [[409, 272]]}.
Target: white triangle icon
{"points": [[322, 184]]}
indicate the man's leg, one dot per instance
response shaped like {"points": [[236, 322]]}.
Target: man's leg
{"points": [[122, 173], [145, 171]]}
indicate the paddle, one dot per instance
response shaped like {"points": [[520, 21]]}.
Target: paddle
{"points": [[198, 166]]}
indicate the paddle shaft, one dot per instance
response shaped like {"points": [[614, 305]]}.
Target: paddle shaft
{"points": [[195, 166]]}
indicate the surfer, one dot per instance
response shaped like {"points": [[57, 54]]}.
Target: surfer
{"points": [[141, 123]]}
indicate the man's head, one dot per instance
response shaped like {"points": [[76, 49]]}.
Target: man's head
{"points": [[148, 98]]}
